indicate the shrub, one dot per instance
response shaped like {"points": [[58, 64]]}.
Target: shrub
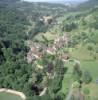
{"points": [[77, 72], [59, 96], [86, 91], [87, 78], [76, 84], [90, 47]]}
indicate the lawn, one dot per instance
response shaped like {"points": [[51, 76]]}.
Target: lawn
{"points": [[8, 96]]}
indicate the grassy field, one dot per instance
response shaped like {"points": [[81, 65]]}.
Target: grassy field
{"points": [[93, 90], [92, 67], [7, 96], [67, 81], [87, 63], [81, 53], [49, 36]]}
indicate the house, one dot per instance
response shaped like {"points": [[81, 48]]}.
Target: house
{"points": [[61, 41], [51, 51]]}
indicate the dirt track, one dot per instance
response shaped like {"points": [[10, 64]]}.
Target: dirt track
{"points": [[13, 92]]}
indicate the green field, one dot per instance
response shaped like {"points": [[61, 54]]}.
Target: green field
{"points": [[87, 63], [81, 53], [92, 67], [67, 81], [8, 96]]}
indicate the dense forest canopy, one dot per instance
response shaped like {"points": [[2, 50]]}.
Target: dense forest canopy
{"points": [[15, 72]]}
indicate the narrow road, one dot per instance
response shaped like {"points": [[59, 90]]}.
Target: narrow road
{"points": [[69, 94], [13, 92], [43, 92], [71, 88]]}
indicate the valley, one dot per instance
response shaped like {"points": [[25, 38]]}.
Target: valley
{"points": [[49, 51]]}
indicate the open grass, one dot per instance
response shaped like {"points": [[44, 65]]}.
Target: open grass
{"points": [[39, 38], [93, 89], [87, 63], [67, 81], [8, 96], [92, 67], [81, 53], [49, 36]]}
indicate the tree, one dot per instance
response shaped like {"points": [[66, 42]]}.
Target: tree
{"points": [[59, 96], [87, 78], [77, 72], [86, 91], [90, 47], [69, 27], [96, 49]]}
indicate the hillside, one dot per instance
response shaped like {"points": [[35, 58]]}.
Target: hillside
{"points": [[82, 30], [19, 22], [49, 51], [89, 4]]}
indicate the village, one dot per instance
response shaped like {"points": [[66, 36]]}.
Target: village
{"points": [[38, 50]]}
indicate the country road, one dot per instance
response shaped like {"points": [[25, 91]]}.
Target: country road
{"points": [[13, 92], [69, 95], [71, 87]]}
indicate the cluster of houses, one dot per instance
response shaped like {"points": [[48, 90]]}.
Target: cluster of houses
{"points": [[61, 41], [58, 43], [34, 52], [37, 50], [46, 19]]}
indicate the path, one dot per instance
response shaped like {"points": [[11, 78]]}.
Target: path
{"points": [[71, 88], [43, 92], [13, 92], [69, 94]]}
